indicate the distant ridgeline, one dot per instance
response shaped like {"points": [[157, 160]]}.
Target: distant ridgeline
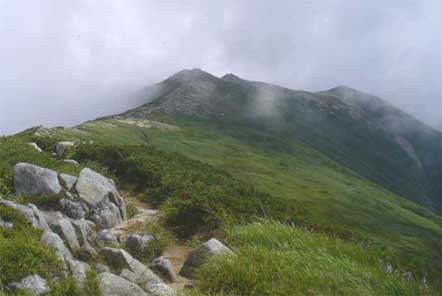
{"points": [[362, 132]]}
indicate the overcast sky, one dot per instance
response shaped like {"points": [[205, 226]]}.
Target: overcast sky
{"points": [[64, 62]]}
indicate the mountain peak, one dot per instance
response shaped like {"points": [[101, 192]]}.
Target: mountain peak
{"points": [[193, 74], [230, 77]]}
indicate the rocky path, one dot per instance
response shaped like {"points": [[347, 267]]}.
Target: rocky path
{"points": [[176, 253]]}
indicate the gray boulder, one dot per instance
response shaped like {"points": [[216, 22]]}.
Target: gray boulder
{"points": [[201, 254], [94, 189], [139, 243], [32, 285], [106, 238], [34, 180], [159, 289], [99, 193], [163, 267], [54, 241], [62, 148], [63, 227], [72, 209], [113, 285], [67, 181]]}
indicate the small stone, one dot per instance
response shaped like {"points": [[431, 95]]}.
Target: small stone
{"points": [[63, 147], [139, 243], [35, 146], [71, 161], [201, 254], [67, 181], [106, 238], [164, 268]]}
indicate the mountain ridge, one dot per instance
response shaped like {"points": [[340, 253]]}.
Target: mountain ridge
{"points": [[339, 122]]}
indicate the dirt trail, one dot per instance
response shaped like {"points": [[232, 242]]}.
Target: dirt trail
{"points": [[176, 253]]}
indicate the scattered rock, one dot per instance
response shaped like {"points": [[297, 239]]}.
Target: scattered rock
{"points": [[164, 268], [32, 285], [113, 285], [78, 270], [106, 238], [67, 181], [62, 148], [72, 209], [71, 161], [34, 180], [35, 146], [159, 289], [130, 268], [199, 256], [138, 243]]}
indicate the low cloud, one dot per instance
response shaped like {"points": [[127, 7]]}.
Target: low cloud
{"points": [[63, 62]]}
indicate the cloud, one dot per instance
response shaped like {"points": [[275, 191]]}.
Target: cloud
{"points": [[63, 62]]}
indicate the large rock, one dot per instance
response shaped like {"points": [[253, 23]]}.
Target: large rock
{"points": [[54, 241], [113, 285], [34, 180], [63, 147], [107, 207], [163, 267], [32, 285], [94, 189], [201, 254]]}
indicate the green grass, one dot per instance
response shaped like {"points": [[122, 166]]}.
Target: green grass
{"points": [[275, 259], [326, 195], [303, 184]]}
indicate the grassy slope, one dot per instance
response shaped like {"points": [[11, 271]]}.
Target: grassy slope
{"points": [[275, 259], [326, 193]]}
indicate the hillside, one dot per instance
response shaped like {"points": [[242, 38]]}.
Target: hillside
{"points": [[360, 131], [327, 193]]}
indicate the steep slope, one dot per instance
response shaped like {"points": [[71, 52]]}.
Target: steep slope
{"points": [[362, 132]]}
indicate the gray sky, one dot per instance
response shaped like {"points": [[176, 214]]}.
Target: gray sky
{"points": [[64, 62]]}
